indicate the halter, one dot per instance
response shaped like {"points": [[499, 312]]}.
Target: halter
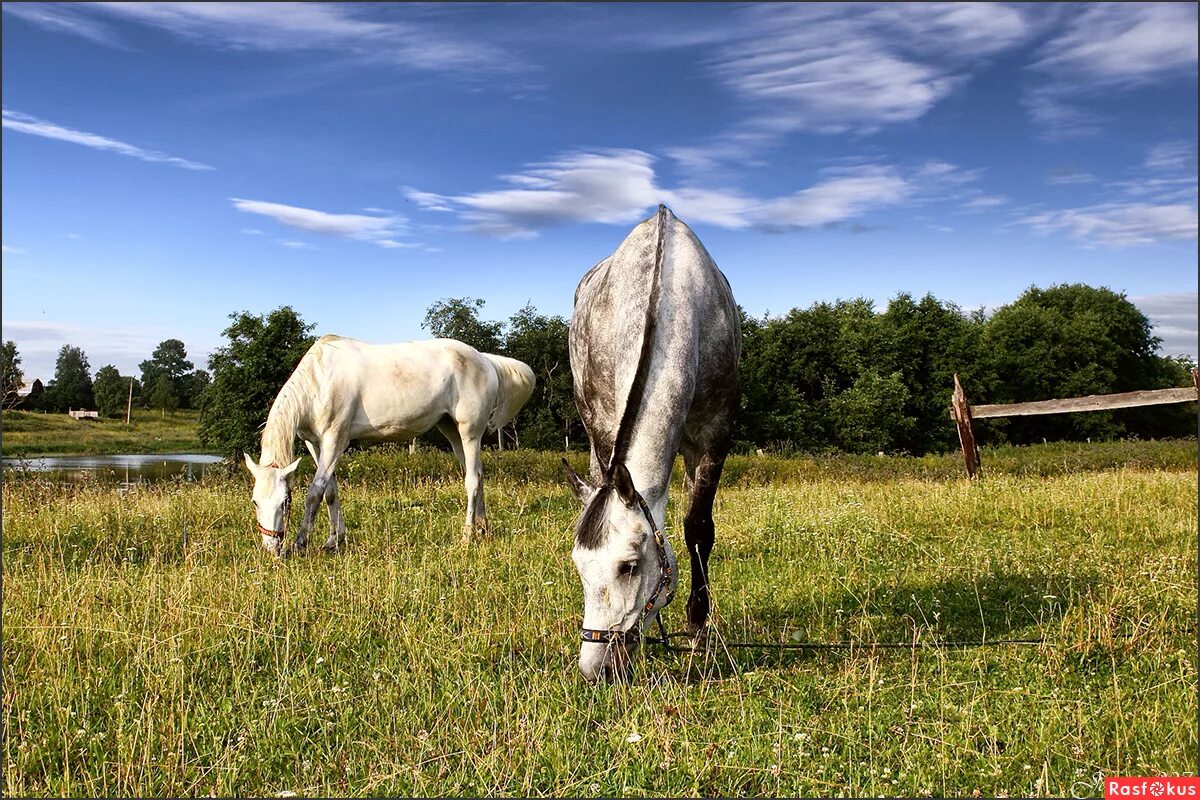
{"points": [[287, 507], [634, 633]]}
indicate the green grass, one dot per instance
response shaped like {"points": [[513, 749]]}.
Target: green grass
{"points": [[28, 434], [140, 661]]}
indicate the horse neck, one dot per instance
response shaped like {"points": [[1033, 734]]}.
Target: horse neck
{"points": [[279, 435]]}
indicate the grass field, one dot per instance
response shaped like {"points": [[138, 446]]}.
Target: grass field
{"points": [[27, 434], [150, 648]]}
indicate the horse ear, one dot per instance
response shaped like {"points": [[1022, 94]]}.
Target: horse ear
{"points": [[624, 484], [250, 465], [582, 489], [290, 468]]}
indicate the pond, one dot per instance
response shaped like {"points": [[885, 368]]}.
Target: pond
{"points": [[120, 468]]}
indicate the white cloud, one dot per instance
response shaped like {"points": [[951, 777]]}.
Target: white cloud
{"points": [[1123, 43], [845, 68], [1119, 224], [985, 201], [835, 200], [377, 230], [620, 186], [1109, 47], [1174, 320], [348, 29], [14, 250], [427, 200], [1172, 156], [24, 123], [65, 18], [294, 245], [607, 186]]}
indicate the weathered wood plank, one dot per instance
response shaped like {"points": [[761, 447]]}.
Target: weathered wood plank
{"points": [[1094, 402], [960, 409]]}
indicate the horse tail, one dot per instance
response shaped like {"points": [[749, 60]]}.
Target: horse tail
{"points": [[638, 387], [515, 381]]}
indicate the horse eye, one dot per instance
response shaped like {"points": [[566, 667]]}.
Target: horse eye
{"points": [[628, 568]]}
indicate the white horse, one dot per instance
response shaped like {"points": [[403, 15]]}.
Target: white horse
{"points": [[345, 389]]}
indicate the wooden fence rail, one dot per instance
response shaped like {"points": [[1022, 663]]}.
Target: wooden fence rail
{"points": [[963, 413]]}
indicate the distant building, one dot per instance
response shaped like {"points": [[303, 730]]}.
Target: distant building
{"points": [[82, 414]]}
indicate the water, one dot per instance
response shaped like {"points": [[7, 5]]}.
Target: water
{"points": [[123, 469]]}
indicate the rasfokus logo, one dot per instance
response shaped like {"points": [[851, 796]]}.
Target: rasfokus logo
{"points": [[1162, 786]]}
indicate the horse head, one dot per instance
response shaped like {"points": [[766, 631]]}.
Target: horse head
{"points": [[272, 501], [627, 568]]}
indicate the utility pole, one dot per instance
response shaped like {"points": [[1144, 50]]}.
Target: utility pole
{"points": [[129, 405]]}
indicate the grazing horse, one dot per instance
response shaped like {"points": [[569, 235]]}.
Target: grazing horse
{"points": [[345, 389], [655, 342]]}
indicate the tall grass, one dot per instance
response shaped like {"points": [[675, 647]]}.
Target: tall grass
{"points": [[150, 648]]}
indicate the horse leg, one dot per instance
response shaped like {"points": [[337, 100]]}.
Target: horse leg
{"points": [[330, 451], [473, 480], [447, 428], [698, 530], [337, 527]]}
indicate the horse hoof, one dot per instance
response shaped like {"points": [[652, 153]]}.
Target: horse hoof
{"points": [[331, 549]]}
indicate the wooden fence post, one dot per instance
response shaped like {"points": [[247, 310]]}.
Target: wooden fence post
{"points": [[961, 410]]}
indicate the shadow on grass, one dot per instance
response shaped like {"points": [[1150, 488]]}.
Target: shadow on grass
{"points": [[957, 610]]}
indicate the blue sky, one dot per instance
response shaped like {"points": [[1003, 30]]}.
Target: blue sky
{"points": [[165, 165]]}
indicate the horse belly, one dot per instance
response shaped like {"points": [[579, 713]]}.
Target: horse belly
{"points": [[401, 412]]}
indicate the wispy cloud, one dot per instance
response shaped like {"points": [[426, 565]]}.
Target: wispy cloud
{"points": [[1172, 157], [1174, 319], [619, 186], [1119, 224], [1109, 47], [846, 67], [14, 250], [70, 18], [400, 37], [24, 123], [985, 201], [359, 227]]}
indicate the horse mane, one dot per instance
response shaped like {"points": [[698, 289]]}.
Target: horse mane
{"points": [[279, 433], [590, 530], [637, 389]]}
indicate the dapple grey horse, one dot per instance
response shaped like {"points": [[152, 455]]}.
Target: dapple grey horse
{"points": [[655, 341]]}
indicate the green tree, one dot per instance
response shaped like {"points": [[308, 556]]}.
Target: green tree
{"points": [[1067, 341], [162, 395], [10, 373], [72, 384], [192, 388], [111, 390], [458, 318], [247, 374], [169, 359], [542, 342], [926, 342], [869, 416]]}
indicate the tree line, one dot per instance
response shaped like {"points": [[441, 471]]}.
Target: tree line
{"points": [[168, 381], [833, 376]]}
